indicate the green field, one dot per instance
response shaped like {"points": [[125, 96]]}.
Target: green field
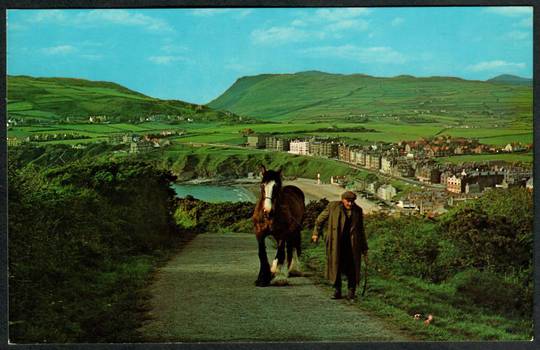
{"points": [[302, 105], [231, 134], [511, 157]]}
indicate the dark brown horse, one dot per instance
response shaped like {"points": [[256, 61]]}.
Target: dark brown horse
{"points": [[279, 213]]}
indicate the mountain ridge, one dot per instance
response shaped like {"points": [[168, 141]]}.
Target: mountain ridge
{"points": [[60, 99], [314, 94]]}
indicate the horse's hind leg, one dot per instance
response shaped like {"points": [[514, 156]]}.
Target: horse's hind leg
{"points": [[293, 251], [264, 277]]}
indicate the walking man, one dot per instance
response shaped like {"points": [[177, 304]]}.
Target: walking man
{"points": [[345, 242]]}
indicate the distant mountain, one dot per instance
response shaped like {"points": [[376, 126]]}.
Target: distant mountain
{"points": [[55, 99], [511, 79], [316, 96]]}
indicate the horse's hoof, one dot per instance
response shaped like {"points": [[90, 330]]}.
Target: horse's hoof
{"points": [[280, 283], [295, 274]]}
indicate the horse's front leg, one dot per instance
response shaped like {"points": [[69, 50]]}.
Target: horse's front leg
{"points": [[279, 275], [264, 277], [280, 257]]}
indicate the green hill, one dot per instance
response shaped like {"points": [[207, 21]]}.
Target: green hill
{"points": [[55, 99], [511, 79], [316, 96]]}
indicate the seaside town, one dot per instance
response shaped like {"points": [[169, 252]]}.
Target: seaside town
{"points": [[437, 185], [433, 185]]}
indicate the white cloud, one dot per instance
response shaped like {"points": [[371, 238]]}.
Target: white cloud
{"points": [[340, 14], [379, 54], [526, 23], [326, 23], [167, 59], [57, 16], [124, 17], [397, 21], [238, 13], [516, 35], [15, 26], [171, 49], [207, 12], [100, 17], [348, 24], [495, 65], [244, 13], [72, 51], [278, 35], [298, 23], [511, 11], [60, 50]]}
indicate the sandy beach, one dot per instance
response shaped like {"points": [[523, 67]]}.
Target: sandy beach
{"points": [[311, 189], [314, 191]]}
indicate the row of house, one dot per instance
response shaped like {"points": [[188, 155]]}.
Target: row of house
{"points": [[409, 159]]}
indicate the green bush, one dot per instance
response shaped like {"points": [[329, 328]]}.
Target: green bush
{"points": [[404, 246], [313, 209], [489, 289], [199, 216], [77, 234], [494, 232]]}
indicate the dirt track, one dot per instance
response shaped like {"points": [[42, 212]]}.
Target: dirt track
{"points": [[206, 293]]}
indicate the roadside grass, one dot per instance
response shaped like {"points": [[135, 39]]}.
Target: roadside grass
{"points": [[398, 298]]}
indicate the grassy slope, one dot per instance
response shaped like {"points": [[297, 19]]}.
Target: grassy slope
{"points": [[313, 95], [57, 98], [397, 299], [215, 162]]}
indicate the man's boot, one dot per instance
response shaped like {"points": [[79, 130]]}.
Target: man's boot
{"points": [[351, 295], [337, 294]]}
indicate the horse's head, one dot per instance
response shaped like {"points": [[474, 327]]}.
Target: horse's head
{"points": [[270, 188]]}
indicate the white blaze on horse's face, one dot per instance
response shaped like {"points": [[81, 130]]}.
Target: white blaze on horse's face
{"points": [[268, 189]]}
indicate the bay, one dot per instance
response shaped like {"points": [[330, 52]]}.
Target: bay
{"points": [[214, 193]]}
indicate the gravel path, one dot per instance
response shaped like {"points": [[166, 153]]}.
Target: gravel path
{"points": [[207, 293]]}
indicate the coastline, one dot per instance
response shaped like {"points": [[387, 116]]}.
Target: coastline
{"points": [[312, 190]]}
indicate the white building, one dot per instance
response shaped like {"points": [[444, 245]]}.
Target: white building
{"points": [[386, 165], [405, 205], [358, 157], [386, 192], [299, 147]]}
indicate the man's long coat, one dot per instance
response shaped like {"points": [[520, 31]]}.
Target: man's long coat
{"points": [[335, 214]]}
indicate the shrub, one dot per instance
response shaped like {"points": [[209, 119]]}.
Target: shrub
{"points": [[199, 216], [75, 231], [494, 232], [489, 289], [404, 246], [313, 209]]}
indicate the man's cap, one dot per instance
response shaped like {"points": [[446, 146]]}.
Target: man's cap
{"points": [[348, 195]]}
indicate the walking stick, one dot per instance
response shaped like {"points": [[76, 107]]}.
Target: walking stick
{"points": [[365, 275]]}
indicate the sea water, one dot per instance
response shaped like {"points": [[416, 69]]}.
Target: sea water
{"points": [[214, 193]]}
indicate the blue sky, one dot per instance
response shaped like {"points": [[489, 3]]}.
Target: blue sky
{"points": [[196, 54]]}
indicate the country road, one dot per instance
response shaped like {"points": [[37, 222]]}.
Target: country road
{"points": [[206, 294]]}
